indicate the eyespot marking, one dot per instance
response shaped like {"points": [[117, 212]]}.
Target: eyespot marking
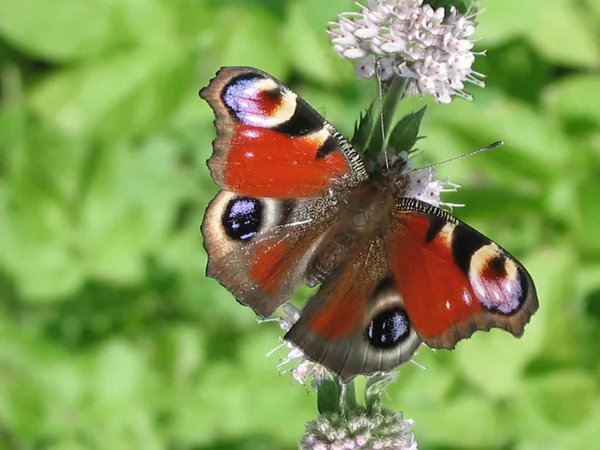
{"points": [[259, 101], [242, 218], [388, 329], [496, 280]]}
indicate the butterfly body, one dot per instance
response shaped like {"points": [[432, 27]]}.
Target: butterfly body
{"points": [[298, 205]]}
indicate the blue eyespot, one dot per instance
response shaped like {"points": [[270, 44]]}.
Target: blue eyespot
{"points": [[242, 218], [388, 329]]}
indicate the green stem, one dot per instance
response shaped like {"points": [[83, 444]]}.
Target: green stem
{"points": [[392, 96]]}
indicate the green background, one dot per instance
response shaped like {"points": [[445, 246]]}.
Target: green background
{"points": [[111, 336]]}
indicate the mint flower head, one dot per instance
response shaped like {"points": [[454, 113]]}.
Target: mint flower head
{"points": [[346, 424], [429, 47]]}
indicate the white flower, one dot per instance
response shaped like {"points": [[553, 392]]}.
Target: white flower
{"points": [[423, 184], [410, 39], [386, 430], [304, 370]]}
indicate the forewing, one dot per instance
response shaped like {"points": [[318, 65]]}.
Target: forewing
{"points": [[271, 143]]}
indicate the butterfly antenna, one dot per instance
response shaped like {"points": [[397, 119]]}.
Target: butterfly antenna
{"points": [[456, 158], [381, 121]]}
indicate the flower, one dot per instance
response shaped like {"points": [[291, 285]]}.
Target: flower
{"points": [[346, 423], [412, 40], [357, 429], [305, 369], [423, 184]]}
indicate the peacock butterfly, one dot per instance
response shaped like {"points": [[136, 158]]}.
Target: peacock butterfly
{"points": [[300, 204]]}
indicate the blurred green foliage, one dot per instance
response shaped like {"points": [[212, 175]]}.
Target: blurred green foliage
{"points": [[111, 337]]}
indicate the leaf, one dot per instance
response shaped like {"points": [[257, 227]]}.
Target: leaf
{"points": [[306, 41], [119, 96], [464, 422], [329, 393], [589, 215], [60, 30], [531, 417], [565, 398], [376, 387], [43, 33], [193, 19], [252, 41], [555, 323], [365, 126], [495, 362], [117, 374], [556, 29], [131, 204], [592, 7], [36, 247], [575, 99], [532, 152], [406, 132]]}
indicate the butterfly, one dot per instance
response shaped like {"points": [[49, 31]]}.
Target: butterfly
{"points": [[299, 204]]}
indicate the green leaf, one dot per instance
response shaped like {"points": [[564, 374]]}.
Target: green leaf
{"points": [[575, 99], [37, 247], [556, 29], [132, 200], [533, 151], [592, 7], [406, 132], [329, 394], [61, 30], [465, 422], [495, 362], [193, 19], [565, 398], [117, 374], [119, 96], [376, 387], [255, 28], [364, 126], [425, 388], [555, 323], [589, 215], [306, 41], [39, 27]]}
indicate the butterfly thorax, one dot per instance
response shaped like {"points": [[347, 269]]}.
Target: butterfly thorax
{"points": [[364, 216], [369, 208]]}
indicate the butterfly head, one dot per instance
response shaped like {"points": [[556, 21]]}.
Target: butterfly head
{"points": [[394, 172]]}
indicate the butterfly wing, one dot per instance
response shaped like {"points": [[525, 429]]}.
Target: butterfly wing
{"points": [[357, 323], [259, 248], [283, 170], [453, 280], [271, 143]]}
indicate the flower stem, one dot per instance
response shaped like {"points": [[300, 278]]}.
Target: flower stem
{"points": [[391, 98]]}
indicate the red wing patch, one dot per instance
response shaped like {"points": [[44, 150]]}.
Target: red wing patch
{"points": [[436, 293], [266, 163], [269, 263], [342, 309]]}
